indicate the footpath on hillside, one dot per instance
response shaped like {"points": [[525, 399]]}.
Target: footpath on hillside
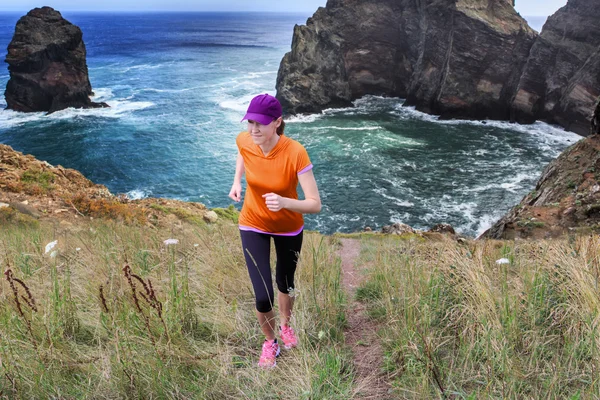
{"points": [[361, 332]]}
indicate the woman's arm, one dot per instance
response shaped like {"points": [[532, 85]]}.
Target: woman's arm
{"points": [[311, 203], [236, 189]]}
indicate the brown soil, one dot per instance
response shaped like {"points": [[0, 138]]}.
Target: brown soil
{"points": [[361, 333]]}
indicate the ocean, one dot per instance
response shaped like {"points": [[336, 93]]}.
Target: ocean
{"points": [[179, 83]]}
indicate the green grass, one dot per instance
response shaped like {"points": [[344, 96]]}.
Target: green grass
{"points": [[40, 180]]}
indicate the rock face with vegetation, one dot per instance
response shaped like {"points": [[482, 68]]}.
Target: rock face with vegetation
{"points": [[467, 58], [457, 59], [566, 198], [47, 64], [561, 81], [34, 189]]}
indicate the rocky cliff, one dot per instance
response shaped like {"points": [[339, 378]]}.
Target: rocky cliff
{"points": [[31, 189], [467, 58], [455, 59], [561, 80], [47, 64], [566, 197]]}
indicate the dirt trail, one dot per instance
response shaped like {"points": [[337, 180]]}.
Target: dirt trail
{"points": [[361, 333]]}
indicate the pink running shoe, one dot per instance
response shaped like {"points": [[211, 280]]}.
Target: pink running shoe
{"points": [[288, 337], [270, 351]]}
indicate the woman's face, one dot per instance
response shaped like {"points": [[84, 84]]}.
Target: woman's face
{"points": [[263, 134]]}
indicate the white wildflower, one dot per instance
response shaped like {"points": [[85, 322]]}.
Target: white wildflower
{"points": [[196, 244], [170, 241], [54, 254], [50, 246], [78, 249], [503, 261], [321, 335]]}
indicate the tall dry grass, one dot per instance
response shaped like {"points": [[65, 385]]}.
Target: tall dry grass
{"points": [[121, 314], [459, 324]]}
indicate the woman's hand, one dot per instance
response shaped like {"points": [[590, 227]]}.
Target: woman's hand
{"points": [[235, 193], [274, 201]]}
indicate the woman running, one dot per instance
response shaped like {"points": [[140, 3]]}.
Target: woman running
{"points": [[274, 165]]}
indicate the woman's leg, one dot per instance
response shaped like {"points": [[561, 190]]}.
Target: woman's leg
{"points": [[287, 249], [257, 249]]}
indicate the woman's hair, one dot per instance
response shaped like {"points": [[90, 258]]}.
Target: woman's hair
{"points": [[280, 128]]}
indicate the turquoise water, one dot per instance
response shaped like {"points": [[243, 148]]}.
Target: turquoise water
{"points": [[178, 85]]}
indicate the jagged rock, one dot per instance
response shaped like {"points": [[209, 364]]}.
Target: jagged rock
{"points": [[211, 217], [47, 64], [473, 59], [460, 58], [397, 229], [566, 198], [443, 228], [561, 81], [24, 208], [595, 130]]}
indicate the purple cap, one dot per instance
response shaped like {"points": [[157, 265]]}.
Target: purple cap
{"points": [[263, 109]]}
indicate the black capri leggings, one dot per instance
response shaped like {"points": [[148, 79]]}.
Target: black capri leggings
{"points": [[257, 251]]}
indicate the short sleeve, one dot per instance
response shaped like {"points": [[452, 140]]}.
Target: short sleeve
{"points": [[239, 141], [303, 163]]}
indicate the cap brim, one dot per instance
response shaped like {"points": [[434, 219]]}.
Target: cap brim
{"points": [[260, 118]]}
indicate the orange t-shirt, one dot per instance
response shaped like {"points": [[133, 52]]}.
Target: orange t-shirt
{"points": [[277, 172]]}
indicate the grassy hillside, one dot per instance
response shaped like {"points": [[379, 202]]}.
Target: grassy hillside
{"points": [[453, 322]]}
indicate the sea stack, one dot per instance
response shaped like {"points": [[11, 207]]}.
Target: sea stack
{"points": [[47, 64]]}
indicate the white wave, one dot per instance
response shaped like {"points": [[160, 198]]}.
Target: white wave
{"points": [[512, 185], [138, 194], [102, 94], [141, 67], [542, 129], [303, 118], [397, 201], [485, 222], [396, 217], [238, 104], [257, 74], [117, 109], [10, 118], [169, 90], [357, 128]]}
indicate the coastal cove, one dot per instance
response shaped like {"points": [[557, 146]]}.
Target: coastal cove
{"points": [[178, 85]]}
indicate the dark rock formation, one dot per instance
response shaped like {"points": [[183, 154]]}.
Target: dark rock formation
{"points": [[46, 61], [566, 198], [443, 228], [596, 120], [397, 228], [561, 81], [466, 58], [457, 59]]}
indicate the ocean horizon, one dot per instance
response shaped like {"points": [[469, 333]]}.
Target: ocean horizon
{"points": [[179, 83]]}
